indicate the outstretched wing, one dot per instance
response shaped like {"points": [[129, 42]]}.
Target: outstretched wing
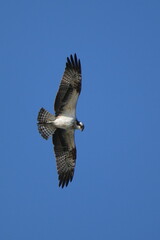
{"points": [[65, 152], [70, 88]]}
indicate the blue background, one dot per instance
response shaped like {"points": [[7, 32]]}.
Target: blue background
{"points": [[115, 193]]}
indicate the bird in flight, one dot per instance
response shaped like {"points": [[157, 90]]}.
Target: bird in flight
{"points": [[62, 125]]}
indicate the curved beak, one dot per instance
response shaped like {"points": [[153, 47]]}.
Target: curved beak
{"points": [[82, 128]]}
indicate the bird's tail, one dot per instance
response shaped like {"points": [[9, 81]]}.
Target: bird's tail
{"points": [[45, 123]]}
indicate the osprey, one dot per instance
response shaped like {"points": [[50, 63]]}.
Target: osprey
{"points": [[62, 125]]}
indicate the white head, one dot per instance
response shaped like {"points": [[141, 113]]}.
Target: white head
{"points": [[79, 125]]}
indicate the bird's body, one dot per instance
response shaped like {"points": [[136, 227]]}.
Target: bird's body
{"points": [[64, 122], [62, 125]]}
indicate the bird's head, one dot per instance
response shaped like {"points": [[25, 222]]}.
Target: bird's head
{"points": [[79, 125]]}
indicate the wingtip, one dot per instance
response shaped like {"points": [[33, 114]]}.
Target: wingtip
{"points": [[65, 179], [74, 62]]}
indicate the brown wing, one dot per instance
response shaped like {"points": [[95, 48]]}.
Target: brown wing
{"points": [[65, 152], [70, 87]]}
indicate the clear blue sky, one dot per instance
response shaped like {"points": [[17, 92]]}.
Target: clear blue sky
{"points": [[115, 193]]}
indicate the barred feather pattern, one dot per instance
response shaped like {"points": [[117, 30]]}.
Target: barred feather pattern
{"points": [[70, 86], [65, 166], [65, 152], [44, 116], [46, 129], [45, 123]]}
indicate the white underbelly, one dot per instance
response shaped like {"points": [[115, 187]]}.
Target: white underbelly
{"points": [[64, 122]]}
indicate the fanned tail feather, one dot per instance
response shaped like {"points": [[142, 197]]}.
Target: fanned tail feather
{"points": [[45, 123], [44, 116]]}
